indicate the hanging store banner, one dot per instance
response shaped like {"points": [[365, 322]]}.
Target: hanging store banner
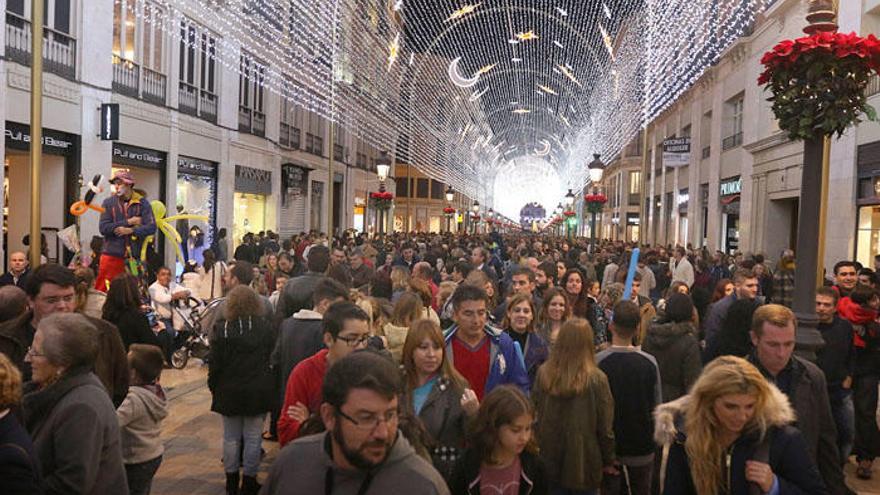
{"points": [[124, 154], [676, 152]]}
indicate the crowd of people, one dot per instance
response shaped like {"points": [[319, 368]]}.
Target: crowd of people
{"points": [[440, 363]]}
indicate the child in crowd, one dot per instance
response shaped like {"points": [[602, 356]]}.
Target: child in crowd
{"points": [[140, 417], [503, 456]]}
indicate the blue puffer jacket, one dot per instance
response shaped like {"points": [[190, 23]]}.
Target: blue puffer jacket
{"points": [[116, 214], [506, 358]]}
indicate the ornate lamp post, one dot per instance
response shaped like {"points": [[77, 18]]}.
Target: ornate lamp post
{"points": [[450, 195], [596, 169], [569, 203], [383, 168]]}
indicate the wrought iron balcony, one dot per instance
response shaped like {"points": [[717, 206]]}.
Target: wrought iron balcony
{"points": [[59, 49]]}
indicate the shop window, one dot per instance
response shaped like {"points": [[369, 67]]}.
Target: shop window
{"points": [[249, 215], [868, 235]]}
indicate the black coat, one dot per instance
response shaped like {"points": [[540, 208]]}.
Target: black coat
{"points": [[134, 328], [19, 466], [789, 461], [239, 374], [466, 475], [444, 421], [677, 351], [8, 279]]}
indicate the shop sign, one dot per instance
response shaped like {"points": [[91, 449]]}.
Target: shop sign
{"points": [[195, 166], [18, 136], [676, 152], [632, 219], [109, 121], [293, 180], [253, 180], [124, 154], [731, 186]]}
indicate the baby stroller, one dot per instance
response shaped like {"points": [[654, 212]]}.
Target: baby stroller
{"points": [[193, 339]]}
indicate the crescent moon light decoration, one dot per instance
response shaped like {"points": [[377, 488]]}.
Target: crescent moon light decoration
{"points": [[459, 80], [545, 149]]}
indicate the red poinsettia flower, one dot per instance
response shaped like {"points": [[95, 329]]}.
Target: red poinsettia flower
{"points": [[386, 196], [449, 210]]}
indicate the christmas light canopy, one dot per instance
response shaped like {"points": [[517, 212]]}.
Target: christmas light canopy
{"points": [[464, 89]]}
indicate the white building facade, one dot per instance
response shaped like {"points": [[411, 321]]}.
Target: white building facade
{"points": [[201, 137], [740, 189]]}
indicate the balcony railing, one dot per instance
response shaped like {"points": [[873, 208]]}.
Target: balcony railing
{"points": [[59, 49], [153, 88], [288, 136], [251, 121], [198, 103], [126, 77], [633, 199], [732, 141], [130, 79]]}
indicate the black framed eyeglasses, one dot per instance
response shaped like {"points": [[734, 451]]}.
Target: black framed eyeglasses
{"points": [[355, 341], [371, 422]]}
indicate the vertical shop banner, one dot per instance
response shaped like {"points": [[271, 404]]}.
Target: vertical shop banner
{"points": [[676, 152]]}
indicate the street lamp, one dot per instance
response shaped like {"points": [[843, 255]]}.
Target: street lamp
{"points": [[476, 207], [450, 194], [569, 203], [383, 166], [569, 199], [596, 169]]}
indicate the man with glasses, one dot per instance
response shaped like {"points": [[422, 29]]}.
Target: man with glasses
{"points": [[483, 354], [50, 289], [362, 450], [346, 328]]}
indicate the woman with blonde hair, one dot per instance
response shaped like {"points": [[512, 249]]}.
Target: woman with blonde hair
{"points": [[400, 276], [437, 394], [19, 468], [573, 401], [736, 438], [408, 309]]}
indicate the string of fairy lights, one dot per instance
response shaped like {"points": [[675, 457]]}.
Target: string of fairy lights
{"points": [[462, 89]]}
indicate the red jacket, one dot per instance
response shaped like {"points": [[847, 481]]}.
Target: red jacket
{"points": [[858, 315], [304, 386]]}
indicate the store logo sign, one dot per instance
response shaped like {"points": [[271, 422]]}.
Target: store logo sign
{"points": [[731, 187], [676, 152], [109, 121], [136, 156], [253, 180], [23, 137]]}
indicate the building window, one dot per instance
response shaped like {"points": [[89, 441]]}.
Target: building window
{"points": [[289, 135], [198, 69], [138, 44], [251, 118], [635, 188], [437, 190], [734, 123], [706, 134], [422, 188]]}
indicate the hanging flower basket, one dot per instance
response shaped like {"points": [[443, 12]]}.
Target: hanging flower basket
{"points": [[449, 211], [818, 82], [569, 213], [381, 200], [595, 202]]}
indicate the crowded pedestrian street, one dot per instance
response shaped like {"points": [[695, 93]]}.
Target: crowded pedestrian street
{"points": [[440, 247]]}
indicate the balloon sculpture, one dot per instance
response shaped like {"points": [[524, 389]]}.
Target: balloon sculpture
{"points": [[165, 225], [82, 206]]}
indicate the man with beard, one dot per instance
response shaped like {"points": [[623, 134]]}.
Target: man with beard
{"points": [[362, 450]]}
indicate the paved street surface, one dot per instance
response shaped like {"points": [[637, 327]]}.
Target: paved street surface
{"points": [[193, 438]]}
